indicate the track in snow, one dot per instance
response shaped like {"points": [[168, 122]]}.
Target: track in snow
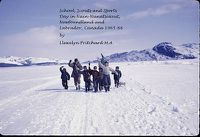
{"points": [[32, 105], [124, 111]]}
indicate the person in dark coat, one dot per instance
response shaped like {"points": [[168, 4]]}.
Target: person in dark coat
{"points": [[100, 79], [95, 77], [86, 78], [64, 76], [117, 76], [77, 67]]}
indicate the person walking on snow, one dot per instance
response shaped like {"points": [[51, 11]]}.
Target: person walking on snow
{"points": [[117, 76], [95, 77], [106, 75], [76, 66], [86, 77], [100, 79], [64, 76]]}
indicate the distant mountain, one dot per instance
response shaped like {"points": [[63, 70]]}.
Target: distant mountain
{"points": [[162, 51], [185, 51], [11, 61]]}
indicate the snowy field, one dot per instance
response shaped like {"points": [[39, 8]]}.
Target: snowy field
{"points": [[160, 98]]}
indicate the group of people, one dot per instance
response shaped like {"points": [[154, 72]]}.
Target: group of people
{"points": [[100, 77]]}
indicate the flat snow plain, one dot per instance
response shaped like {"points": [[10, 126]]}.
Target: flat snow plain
{"points": [[159, 98]]}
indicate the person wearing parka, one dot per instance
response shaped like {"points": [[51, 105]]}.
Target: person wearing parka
{"points": [[117, 76], [95, 77], [77, 67], [106, 75], [65, 77], [86, 78]]}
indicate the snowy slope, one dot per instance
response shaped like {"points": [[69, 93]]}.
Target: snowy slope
{"points": [[10, 61], [162, 51], [189, 49], [160, 98]]}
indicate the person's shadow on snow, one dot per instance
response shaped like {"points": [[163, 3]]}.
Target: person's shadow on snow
{"points": [[69, 90]]}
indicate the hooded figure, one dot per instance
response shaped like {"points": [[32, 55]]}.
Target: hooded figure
{"points": [[64, 76], [76, 66], [117, 76], [100, 79], [86, 77], [106, 75], [95, 76]]}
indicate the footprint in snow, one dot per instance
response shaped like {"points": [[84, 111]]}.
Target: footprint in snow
{"points": [[151, 109], [175, 109]]}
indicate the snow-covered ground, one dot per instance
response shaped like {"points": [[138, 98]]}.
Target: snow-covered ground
{"points": [[10, 61], [160, 98]]}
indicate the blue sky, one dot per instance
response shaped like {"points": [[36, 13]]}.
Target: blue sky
{"points": [[30, 27]]}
